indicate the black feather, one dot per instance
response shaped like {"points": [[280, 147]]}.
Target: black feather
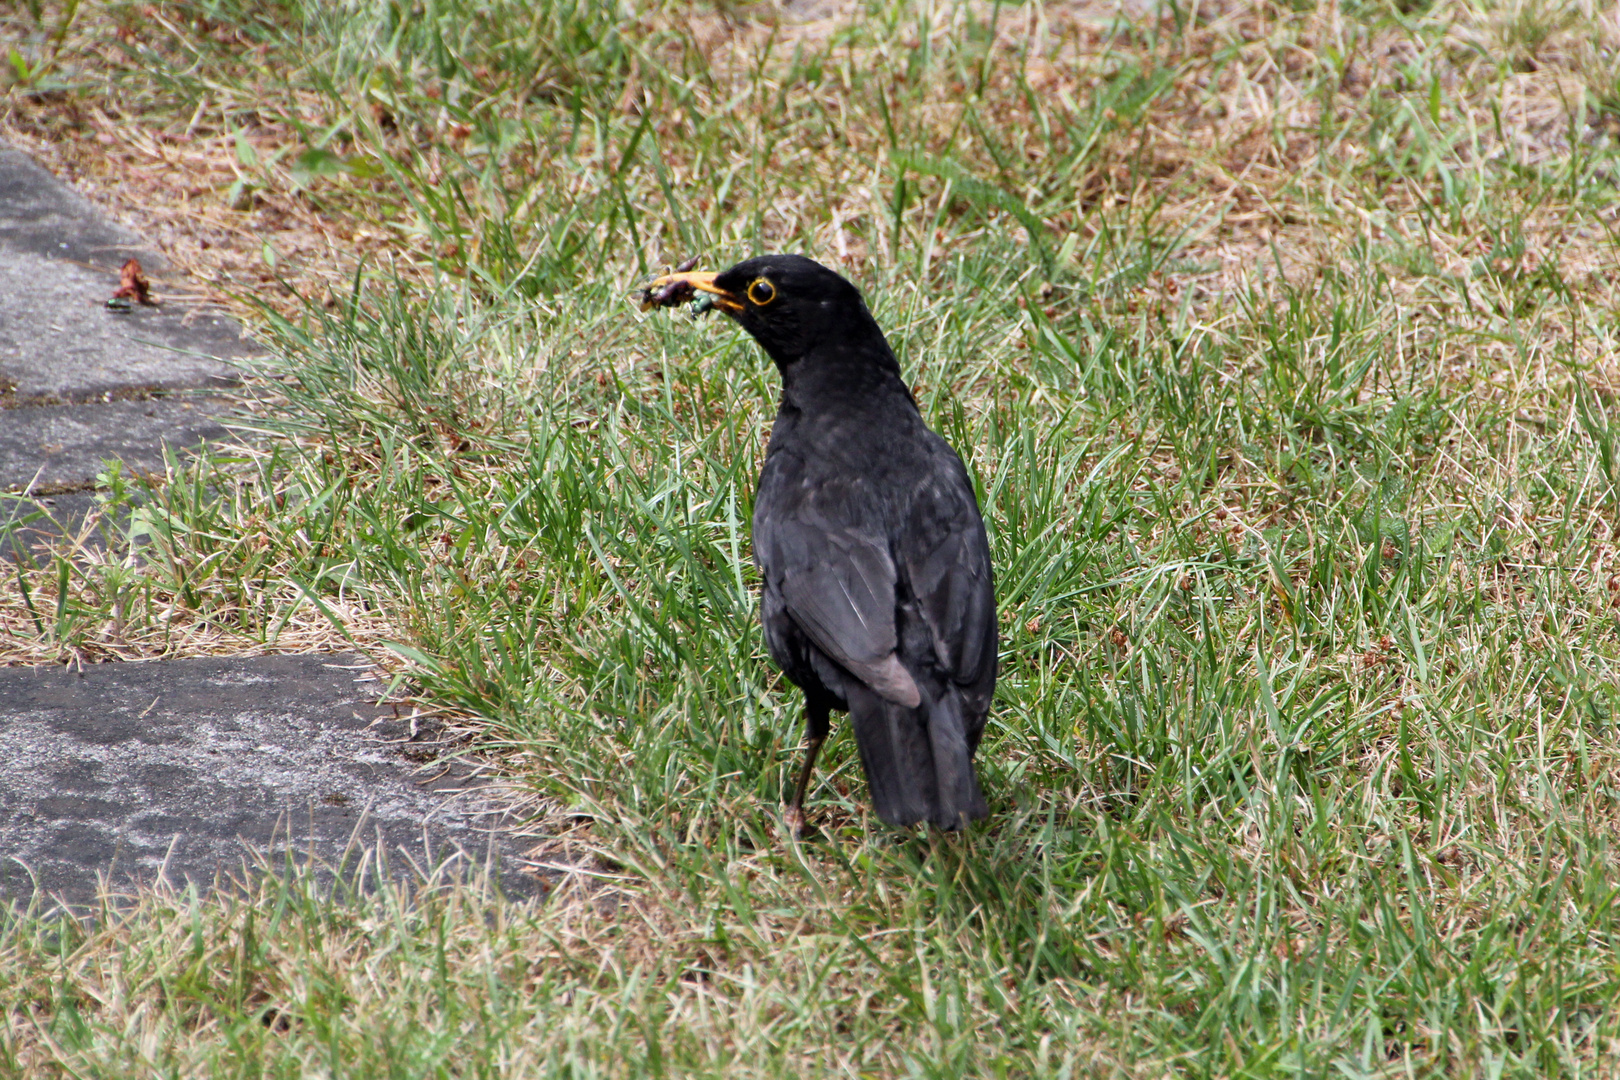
{"points": [[878, 595]]}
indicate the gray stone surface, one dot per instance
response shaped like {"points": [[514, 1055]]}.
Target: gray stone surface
{"points": [[181, 767], [184, 768], [56, 448], [42, 216], [59, 342], [77, 381]]}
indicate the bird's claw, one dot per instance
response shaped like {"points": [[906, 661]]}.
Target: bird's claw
{"points": [[793, 818]]}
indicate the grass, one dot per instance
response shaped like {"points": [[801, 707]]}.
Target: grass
{"points": [[1278, 340]]}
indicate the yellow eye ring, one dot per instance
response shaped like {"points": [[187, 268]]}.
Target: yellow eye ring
{"points": [[761, 292]]}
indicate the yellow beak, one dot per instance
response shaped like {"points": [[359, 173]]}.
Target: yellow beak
{"points": [[672, 289]]}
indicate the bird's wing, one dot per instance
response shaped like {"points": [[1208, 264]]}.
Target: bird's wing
{"points": [[946, 556], [836, 579]]}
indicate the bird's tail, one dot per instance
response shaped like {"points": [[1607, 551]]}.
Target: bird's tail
{"points": [[917, 760]]}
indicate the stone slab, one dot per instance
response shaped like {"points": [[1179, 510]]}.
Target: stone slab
{"points": [[59, 260], [59, 342], [42, 216], [56, 448], [181, 767]]}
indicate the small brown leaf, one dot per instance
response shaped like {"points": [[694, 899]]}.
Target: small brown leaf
{"points": [[132, 284]]}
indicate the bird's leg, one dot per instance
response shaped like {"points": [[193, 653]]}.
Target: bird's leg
{"points": [[795, 809], [815, 724]]}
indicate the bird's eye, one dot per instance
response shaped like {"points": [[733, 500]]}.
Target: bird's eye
{"points": [[761, 292]]}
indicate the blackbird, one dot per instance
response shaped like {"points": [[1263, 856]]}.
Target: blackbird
{"points": [[878, 595]]}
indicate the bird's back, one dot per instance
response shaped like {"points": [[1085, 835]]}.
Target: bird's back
{"points": [[842, 506]]}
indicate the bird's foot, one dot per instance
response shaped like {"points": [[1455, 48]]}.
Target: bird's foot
{"points": [[793, 818]]}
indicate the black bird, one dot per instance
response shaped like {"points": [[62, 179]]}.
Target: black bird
{"points": [[878, 595]]}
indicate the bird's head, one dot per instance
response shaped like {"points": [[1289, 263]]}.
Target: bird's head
{"points": [[792, 305]]}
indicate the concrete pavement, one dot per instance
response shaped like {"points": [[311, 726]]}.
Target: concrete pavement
{"points": [[126, 771], [193, 767]]}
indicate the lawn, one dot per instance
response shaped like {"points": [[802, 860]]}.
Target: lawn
{"points": [[1280, 342]]}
